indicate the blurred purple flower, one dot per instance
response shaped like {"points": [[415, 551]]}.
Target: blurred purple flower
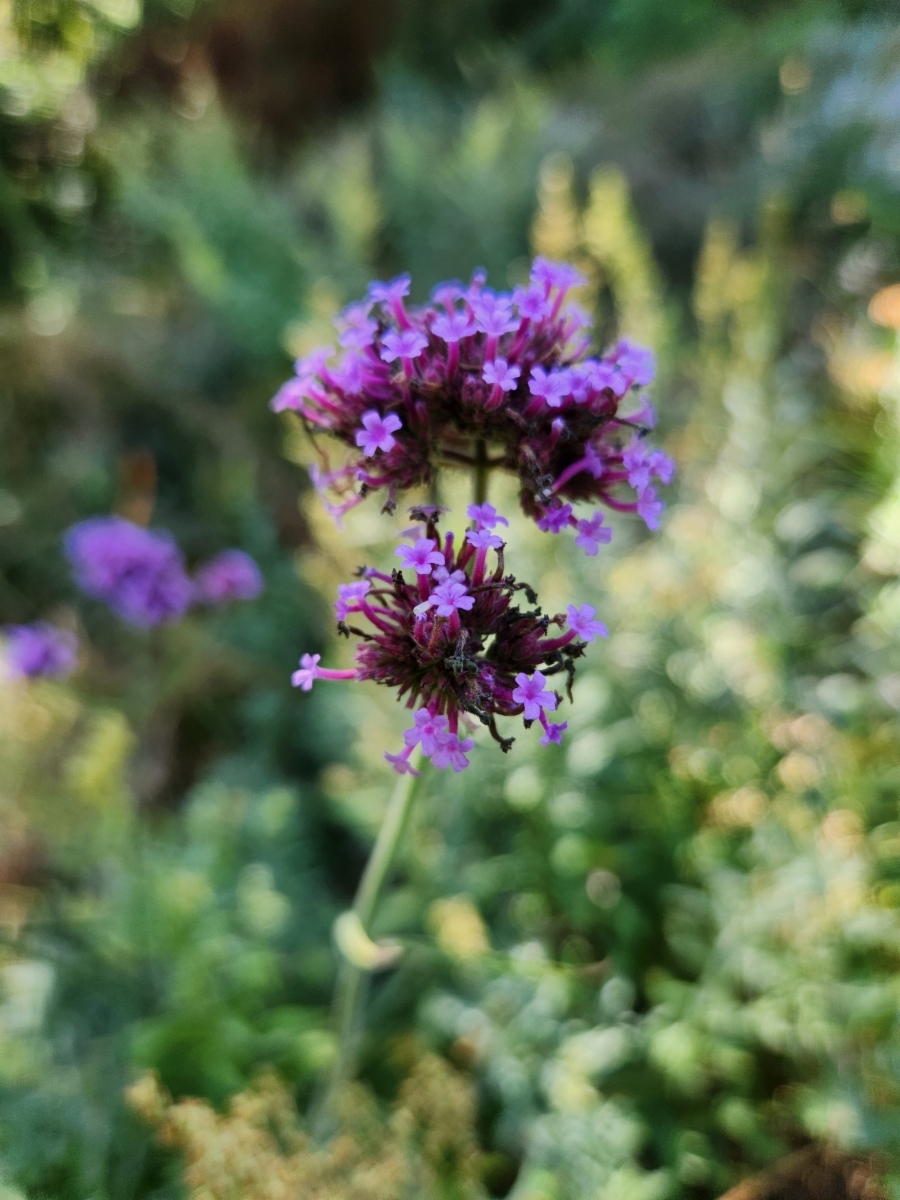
{"points": [[139, 573], [231, 575], [40, 649]]}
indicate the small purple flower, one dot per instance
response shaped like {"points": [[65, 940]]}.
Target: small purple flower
{"points": [[40, 650], [442, 575], [581, 620], [643, 463], [553, 733], [401, 764], [231, 575], [533, 695], [407, 345], [555, 520], [607, 376], [446, 599], [494, 315], [421, 557], [649, 509], [308, 673], [556, 274], [378, 432], [500, 374], [661, 466], [531, 303], [452, 753], [485, 516], [454, 327], [593, 462], [550, 387], [645, 415], [390, 293], [357, 328], [448, 293], [483, 539], [139, 573], [349, 595], [290, 396], [592, 534], [314, 362], [431, 731], [635, 362]]}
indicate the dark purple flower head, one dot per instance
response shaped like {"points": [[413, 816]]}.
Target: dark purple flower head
{"points": [[40, 649], [231, 575], [137, 572], [452, 642], [417, 386]]}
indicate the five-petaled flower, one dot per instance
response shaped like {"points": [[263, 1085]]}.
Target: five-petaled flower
{"points": [[422, 557], [532, 694], [428, 730], [406, 345], [349, 597], [446, 599], [553, 733], [307, 674], [555, 520], [592, 534], [649, 508], [483, 538], [501, 373], [581, 622], [378, 432], [485, 516], [452, 753]]}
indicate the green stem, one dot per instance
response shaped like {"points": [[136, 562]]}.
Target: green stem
{"points": [[352, 982], [481, 471]]}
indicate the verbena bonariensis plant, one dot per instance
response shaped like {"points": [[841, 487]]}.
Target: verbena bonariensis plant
{"points": [[480, 380], [483, 379], [449, 639]]}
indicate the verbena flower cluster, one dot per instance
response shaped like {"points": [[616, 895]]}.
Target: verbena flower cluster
{"points": [[140, 573], [487, 379], [39, 650], [445, 632]]}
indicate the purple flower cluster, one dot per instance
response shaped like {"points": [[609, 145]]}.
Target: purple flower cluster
{"points": [[39, 650], [444, 632], [412, 389], [140, 573]]}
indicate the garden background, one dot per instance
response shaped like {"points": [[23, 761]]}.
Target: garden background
{"points": [[651, 963]]}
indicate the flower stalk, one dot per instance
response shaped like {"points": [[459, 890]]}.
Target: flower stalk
{"points": [[353, 977]]}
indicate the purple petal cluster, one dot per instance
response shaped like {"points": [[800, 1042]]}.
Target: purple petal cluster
{"points": [[39, 650], [446, 634], [140, 573], [415, 387]]}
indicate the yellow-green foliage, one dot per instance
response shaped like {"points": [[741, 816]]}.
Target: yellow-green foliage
{"points": [[62, 770], [424, 1149]]}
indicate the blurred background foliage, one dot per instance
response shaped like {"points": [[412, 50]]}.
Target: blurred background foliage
{"points": [[649, 964]]}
